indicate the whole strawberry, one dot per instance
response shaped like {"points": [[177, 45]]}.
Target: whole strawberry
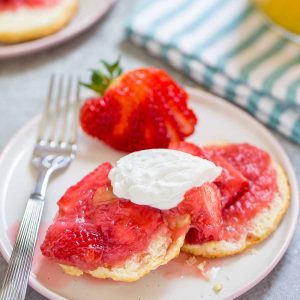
{"points": [[141, 109]]}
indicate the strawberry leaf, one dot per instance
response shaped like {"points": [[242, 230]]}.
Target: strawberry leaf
{"points": [[100, 80]]}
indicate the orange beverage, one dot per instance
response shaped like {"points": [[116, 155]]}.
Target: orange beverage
{"points": [[285, 13]]}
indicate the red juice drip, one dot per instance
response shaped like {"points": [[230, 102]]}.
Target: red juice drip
{"points": [[188, 266]]}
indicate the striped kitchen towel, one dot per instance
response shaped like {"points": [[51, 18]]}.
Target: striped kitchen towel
{"points": [[227, 46]]}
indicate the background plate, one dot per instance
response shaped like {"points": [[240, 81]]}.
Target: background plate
{"points": [[218, 120], [90, 11]]}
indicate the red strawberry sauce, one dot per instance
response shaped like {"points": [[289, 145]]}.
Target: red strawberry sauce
{"points": [[15, 4], [108, 237], [255, 165], [94, 227]]}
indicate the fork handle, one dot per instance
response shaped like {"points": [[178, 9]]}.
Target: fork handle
{"points": [[17, 275]]}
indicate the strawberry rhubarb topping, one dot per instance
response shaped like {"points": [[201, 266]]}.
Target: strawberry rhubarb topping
{"points": [[255, 165], [247, 185], [16, 4], [95, 228]]}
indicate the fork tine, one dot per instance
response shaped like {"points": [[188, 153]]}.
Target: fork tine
{"points": [[65, 110], [55, 115], [45, 117], [75, 118]]}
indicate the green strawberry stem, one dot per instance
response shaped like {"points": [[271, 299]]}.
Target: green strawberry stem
{"points": [[101, 80]]}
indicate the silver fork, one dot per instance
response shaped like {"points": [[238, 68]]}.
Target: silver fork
{"points": [[55, 149]]}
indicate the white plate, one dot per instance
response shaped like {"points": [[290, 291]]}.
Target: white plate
{"points": [[218, 120], [90, 11]]}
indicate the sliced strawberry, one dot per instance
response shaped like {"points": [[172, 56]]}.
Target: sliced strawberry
{"points": [[78, 199], [173, 133], [204, 205], [185, 124], [99, 113], [255, 165], [231, 182], [116, 231], [95, 228], [148, 124], [173, 128], [187, 147], [127, 228], [74, 243], [243, 157], [177, 103], [141, 109]]}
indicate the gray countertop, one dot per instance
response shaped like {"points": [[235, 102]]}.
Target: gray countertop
{"points": [[22, 91]]}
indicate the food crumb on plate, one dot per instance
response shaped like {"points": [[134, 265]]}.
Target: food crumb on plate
{"points": [[218, 287], [201, 266], [191, 260], [253, 251]]}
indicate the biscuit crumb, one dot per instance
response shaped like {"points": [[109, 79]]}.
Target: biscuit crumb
{"points": [[201, 266], [253, 251], [191, 260], [218, 287]]}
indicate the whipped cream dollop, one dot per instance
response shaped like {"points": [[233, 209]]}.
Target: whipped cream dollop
{"points": [[160, 177]]}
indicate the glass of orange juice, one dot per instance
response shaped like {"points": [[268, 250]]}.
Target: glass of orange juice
{"points": [[284, 13]]}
